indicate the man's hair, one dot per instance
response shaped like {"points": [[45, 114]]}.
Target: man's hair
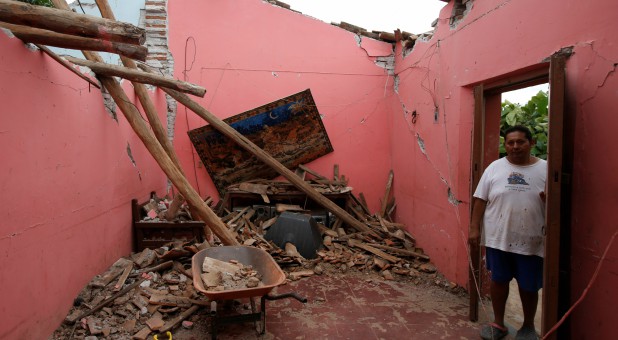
{"points": [[519, 128]]}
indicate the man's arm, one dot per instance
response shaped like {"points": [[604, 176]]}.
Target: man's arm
{"points": [[478, 210]]}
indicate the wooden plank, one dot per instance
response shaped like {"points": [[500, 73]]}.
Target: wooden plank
{"points": [[363, 202], [314, 173], [136, 75], [123, 277], [401, 251], [387, 193], [553, 221], [478, 134], [373, 250], [70, 23], [172, 323], [50, 38], [170, 214]]}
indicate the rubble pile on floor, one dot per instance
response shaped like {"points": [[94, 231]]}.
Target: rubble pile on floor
{"points": [[152, 291]]}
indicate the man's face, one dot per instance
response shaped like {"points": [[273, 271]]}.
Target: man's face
{"points": [[517, 147]]}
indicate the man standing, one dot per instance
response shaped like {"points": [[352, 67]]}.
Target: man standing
{"points": [[510, 201]]}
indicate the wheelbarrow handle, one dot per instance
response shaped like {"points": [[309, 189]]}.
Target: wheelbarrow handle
{"points": [[285, 296]]}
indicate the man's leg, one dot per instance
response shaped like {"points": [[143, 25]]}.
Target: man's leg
{"points": [[499, 294], [529, 302]]}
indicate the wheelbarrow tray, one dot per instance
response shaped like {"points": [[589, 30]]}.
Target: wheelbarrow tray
{"points": [[261, 261]]}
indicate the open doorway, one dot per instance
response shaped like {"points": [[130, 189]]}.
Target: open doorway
{"points": [[486, 138], [528, 107]]}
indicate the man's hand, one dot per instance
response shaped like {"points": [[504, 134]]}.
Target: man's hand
{"points": [[542, 195], [474, 236], [474, 232]]}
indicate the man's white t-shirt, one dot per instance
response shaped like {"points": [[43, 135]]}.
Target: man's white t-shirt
{"points": [[514, 219]]}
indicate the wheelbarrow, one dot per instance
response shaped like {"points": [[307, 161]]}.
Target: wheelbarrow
{"points": [[263, 263]]}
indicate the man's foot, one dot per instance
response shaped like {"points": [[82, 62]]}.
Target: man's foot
{"points": [[526, 333], [493, 331]]}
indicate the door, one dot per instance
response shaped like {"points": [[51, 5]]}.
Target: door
{"points": [[555, 178]]}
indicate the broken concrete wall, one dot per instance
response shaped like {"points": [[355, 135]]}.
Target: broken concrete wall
{"points": [[248, 53], [66, 183], [436, 81]]}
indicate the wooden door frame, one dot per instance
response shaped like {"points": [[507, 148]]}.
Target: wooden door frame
{"points": [[553, 72]]}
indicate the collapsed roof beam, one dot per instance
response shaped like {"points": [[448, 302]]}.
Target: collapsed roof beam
{"points": [[139, 76], [50, 38], [142, 130], [71, 23], [265, 157]]}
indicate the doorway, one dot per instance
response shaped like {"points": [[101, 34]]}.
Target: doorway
{"points": [[486, 138], [529, 107]]}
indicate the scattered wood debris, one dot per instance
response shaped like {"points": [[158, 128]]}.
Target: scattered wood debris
{"points": [[344, 247], [138, 296], [152, 291]]}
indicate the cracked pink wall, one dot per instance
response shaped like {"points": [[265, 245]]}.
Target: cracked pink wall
{"points": [[66, 182], [248, 53], [497, 37]]}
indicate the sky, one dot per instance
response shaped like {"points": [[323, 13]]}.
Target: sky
{"points": [[523, 96], [414, 16]]}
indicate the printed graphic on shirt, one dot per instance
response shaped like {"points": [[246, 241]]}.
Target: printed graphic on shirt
{"points": [[517, 178]]}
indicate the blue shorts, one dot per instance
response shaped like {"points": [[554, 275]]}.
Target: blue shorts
{"points": [[526, 269]]}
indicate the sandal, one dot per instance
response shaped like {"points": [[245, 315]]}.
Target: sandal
{"points": [[493, 331], [526, 333]]}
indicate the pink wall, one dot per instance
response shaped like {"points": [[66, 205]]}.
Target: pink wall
{"points": [[248, 53], [66, 182], [497, 37]]}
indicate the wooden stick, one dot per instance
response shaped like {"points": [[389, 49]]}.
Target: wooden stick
{"points": [[139, 76], [315, 174], [157, 151], [123, 277], [246, 144], [373, 250], [64, 63], [50, 38], [401, 251], [164, 161], [172, 323], [104, 303], [71, 23], [160, 266], [149, 108], [170, 214], [387, 193]]}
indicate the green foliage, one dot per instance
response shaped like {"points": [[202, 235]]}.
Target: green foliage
{"points": [[46, 3], [534, 115]]}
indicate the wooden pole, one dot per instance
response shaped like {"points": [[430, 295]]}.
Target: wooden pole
{"points": [[151, 113], [246, 144], [156, 150], [64, 63], [71, 23], [135, 75], [142, 95], [50, 38]]}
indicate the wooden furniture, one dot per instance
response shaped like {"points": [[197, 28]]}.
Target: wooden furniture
{"points": [[156, 234]]}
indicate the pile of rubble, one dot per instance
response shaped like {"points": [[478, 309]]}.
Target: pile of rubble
{"points": [[152, 291]]}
